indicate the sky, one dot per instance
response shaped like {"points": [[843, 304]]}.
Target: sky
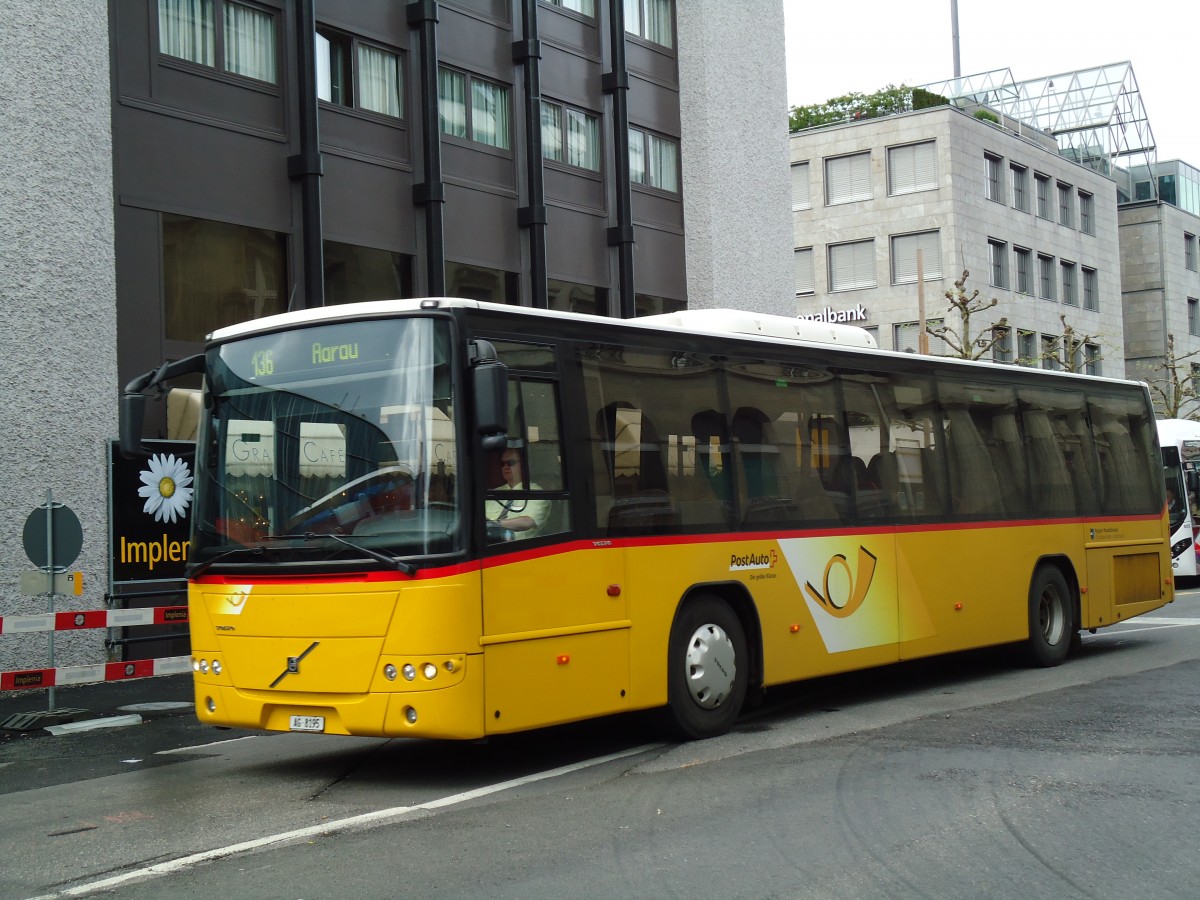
{"points": [[909, 42]]}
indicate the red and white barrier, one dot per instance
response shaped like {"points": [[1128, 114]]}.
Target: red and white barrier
{"points": [[96, 618], [71, 675]]}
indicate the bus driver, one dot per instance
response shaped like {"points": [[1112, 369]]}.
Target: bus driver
{"points": [[522, 516]]}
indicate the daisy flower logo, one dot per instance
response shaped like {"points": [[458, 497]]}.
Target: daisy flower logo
{"points": [[165, 487]]}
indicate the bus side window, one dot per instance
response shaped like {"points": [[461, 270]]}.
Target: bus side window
{"points": [[634, 457]]}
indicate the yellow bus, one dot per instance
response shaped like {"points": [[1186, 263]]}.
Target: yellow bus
{"points": [[444, 518]]}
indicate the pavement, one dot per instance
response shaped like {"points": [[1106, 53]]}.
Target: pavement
{"points": [[88, 706]]}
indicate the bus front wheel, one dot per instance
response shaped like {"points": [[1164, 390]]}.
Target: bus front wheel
{"points": [[707, 668], [1051, 618]]}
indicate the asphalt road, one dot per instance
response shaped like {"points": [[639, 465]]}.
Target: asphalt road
{"points": [[967, 776]]}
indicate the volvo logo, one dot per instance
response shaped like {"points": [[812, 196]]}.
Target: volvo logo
{"points": [[293, 664]]}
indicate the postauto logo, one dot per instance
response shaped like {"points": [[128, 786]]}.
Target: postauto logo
{"points": [[739, 562]]}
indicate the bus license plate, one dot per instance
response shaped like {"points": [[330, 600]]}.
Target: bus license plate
{"points": [[307, 723]]}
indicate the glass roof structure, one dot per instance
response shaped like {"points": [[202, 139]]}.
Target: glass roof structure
{"points": [[1096, 115]]}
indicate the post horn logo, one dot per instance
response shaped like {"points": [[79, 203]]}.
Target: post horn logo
{"points": [[839, 606]]}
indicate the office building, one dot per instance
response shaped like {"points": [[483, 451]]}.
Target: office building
{"points": [[171, 166]]}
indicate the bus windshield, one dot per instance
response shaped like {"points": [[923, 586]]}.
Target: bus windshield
{"points": [[331, 442]]}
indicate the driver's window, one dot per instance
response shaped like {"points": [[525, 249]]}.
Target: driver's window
{"points": [[526, 490]]}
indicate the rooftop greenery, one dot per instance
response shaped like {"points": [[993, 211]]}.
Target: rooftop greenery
{"points": [[885, 102]]}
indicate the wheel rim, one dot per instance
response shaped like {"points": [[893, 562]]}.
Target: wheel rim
{"points": [[711, 666], [1052, 616]]}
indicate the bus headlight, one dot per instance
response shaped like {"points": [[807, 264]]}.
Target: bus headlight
{"points": [[410, 671], [410, 715], [429, 670], [389, 672], [216, 667]]}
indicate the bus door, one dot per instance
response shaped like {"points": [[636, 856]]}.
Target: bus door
{"points": [[555, 628]]}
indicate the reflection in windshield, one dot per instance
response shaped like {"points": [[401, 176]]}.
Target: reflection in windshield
{"points": [[344, 429]]}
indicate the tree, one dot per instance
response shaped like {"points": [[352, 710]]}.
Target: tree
{"points": [[966, 305], [885, 102], [1176, 395], [1063, 350]]}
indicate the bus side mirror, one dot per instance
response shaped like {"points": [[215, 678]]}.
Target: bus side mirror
{"points": [[133, 412], [133, 401], [489, 381]]}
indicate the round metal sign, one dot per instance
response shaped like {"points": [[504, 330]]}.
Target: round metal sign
{"points": [[67, 539]]}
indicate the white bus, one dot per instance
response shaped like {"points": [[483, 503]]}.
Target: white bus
{"points": [[1180, 442]]}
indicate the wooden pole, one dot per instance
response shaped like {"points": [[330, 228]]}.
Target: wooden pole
{"points": [[922, 337]]}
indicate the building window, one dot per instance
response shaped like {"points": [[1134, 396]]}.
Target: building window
{"points": [[993, 185], [1026, 348], [653, 160], [1064, 206], [904, 256], [1189, 251], [852, 266], [1020, 187], [1091, 289], [358, 75], [912, 168], [1046, 277], [1070, 290], [1091, 359], [803, 261], [1002, 351], [906, 336], [217, 274], [801, 194], [587, 7], [650, 20], [570, 136], [1042, 183], [848, 178], [567, 296], [1024, 282], [1050, 358], [653, 305], [1193, 316], [482, 283], [243, 44], [1087, 213], [483, 119], [998, 261], [354, 274]]}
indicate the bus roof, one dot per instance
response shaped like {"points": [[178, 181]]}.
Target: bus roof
{"points": [[1172, 431], [726, 322], [711, 321]]}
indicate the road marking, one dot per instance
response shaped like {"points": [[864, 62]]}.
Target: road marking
{"points": [[1145, 623], [248, 737], [372, 818]]}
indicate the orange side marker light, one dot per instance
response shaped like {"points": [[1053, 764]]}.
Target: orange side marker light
{"points": [[563, 659]]}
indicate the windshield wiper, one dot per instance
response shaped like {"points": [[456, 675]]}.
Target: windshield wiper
{"points": [[405, 567]]}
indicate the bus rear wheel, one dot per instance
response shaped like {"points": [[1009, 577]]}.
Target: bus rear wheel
{"points": [[1051, 618], [707, 668]]}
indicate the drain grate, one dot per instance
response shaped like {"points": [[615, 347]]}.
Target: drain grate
{"points": [[35, 720]]}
